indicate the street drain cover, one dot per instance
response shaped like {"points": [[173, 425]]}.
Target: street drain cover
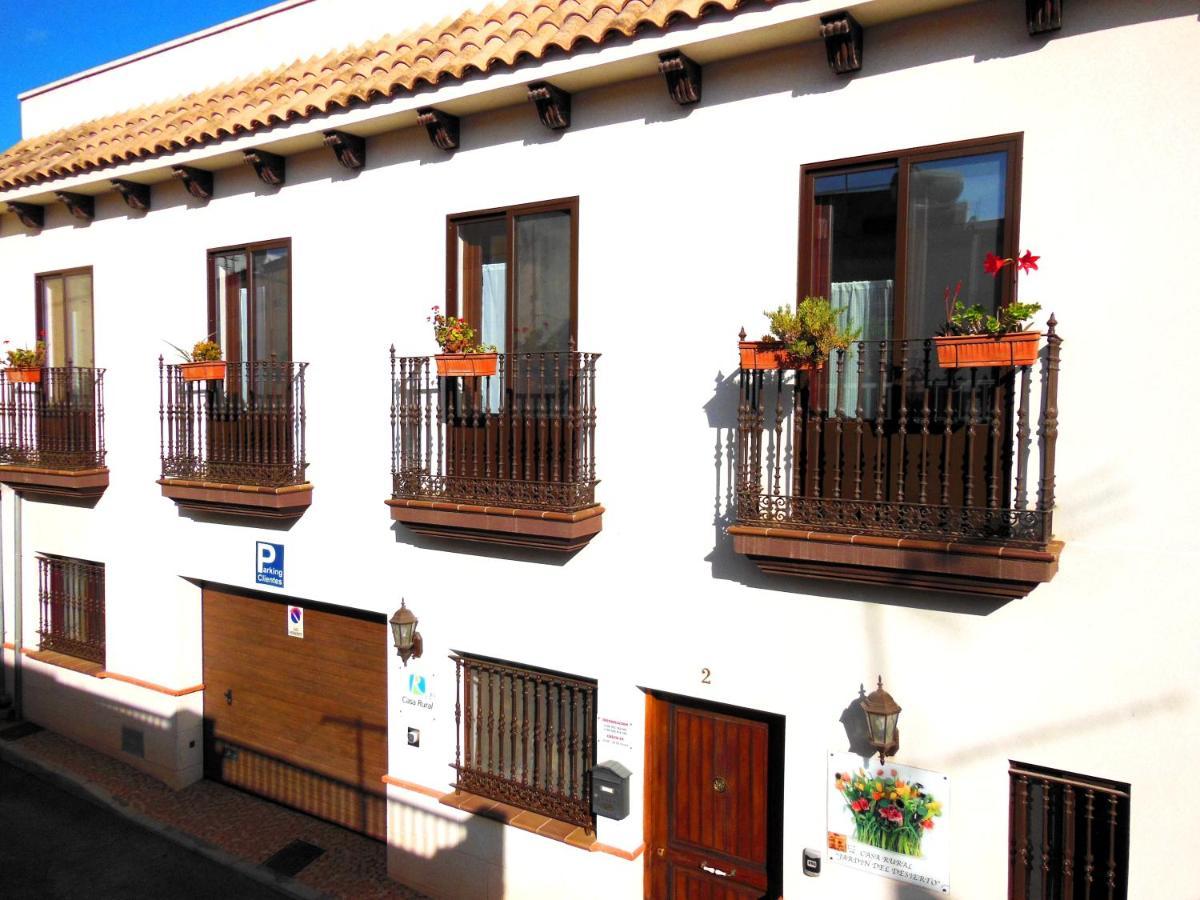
{"points": [[23, 729], [294, 857]]}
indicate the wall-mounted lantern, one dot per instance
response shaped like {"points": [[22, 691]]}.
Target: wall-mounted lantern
{"points": [[881, 713], [405, 634]]}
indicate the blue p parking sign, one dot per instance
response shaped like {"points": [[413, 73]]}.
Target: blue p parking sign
{"points": [[268, 564]]}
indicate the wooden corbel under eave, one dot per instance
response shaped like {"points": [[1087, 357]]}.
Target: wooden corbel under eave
{"points": [[135, 195], [30, 214], [1043, 15], [350, 149], [442, 127], [81, 206], [271, 168], [843, 38], [199, 182], [553, 105], [683, 76]]}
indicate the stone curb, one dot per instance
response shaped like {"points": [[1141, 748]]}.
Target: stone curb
{"points": [[87, 790]]}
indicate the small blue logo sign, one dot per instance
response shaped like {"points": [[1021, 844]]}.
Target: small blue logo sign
{"points": [[268, 564], [416, 685], [295, 615]]}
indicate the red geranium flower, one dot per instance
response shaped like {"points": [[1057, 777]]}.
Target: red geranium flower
{"points": [[1028, 261], [992, 264], [927, 824]]}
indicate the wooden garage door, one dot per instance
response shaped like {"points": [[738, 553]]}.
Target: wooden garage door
{"points": [[302, 721]]}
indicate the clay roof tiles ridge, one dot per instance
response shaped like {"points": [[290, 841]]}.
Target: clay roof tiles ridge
{"points": [[473, 42]]}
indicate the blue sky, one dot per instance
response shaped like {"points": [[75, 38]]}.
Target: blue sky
{"points": [[41, 42]]}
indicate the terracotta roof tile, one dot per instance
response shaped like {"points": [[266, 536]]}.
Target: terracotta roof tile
{"points": [[497, 36]]}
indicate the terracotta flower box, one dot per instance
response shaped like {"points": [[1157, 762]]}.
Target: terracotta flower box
{"points": [[771, 355], [23, 374], [203, 371], [976, 351], [468, 364]]}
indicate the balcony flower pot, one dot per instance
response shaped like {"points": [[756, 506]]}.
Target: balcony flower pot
{"points": [[208, 370], [772, 356], [23, 374], [467, 364], [975, 351]]}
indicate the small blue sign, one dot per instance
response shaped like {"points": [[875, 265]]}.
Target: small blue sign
{"points": [[268, 560], [296, 615], [416, 685]]}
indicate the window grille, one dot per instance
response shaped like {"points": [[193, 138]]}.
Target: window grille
{"points": [[1068, 836], [526, 737], [71, 607]]}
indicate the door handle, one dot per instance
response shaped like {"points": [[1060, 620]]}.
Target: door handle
{"points": [[229, 697], [713, 870]]}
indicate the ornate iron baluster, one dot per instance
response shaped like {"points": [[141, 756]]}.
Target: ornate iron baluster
{"points": [[1110, 879], [1089, 863], [880, 411], [459, 734], [1047, 838], [778, 454], [1068, 842], [1049, 435], [969, 467], [925, 375], [1022, 499], [840, 374], [858, 420], [994, 434], [902, 422]]}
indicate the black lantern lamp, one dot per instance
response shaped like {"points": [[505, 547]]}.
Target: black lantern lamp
{"points": [[405, 634], [881, 712]]}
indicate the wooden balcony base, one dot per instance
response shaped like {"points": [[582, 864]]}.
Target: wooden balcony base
{"points": [[949, 566], [538, 529], [249, 500], [51, 484]]}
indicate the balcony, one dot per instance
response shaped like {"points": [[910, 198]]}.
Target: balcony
{"points": [[235, 445], [885, 469], [52, 434], [508, 458]]}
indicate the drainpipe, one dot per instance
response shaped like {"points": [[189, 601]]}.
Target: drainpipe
{"points": [[17, 604]]}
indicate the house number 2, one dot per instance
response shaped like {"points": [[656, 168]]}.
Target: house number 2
{"points": [[706, 676]]}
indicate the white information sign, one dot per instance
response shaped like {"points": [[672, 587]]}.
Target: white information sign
{"points": [[890, 820]]}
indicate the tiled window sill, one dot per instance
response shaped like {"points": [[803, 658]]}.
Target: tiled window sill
{"points": [[563, 832], [63, 661]]}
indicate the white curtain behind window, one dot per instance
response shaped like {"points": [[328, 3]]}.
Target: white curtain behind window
{"points": [[868, 306]]}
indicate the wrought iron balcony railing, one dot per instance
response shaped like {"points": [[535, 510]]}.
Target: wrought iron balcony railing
{"points": [[524, 437], [245, 429], [54, 423], [884, 442]]}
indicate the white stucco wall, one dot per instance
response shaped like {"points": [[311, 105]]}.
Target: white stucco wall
{"points": [[688, 229]]}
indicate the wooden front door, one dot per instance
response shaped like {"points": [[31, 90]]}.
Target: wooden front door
{"points": [[714, 802], [301, 721]]}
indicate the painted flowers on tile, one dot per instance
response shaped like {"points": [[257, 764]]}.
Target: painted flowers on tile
{"points": [[889, 813]]}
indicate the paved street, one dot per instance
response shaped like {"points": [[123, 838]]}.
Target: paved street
{"points": [[56, 845]]}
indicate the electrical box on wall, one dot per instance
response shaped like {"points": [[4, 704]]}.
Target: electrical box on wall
{"points": [[610, 790]]}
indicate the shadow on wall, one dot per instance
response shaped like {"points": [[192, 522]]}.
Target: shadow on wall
{"points": [[721, 411], [475, 549], [147, 740]]}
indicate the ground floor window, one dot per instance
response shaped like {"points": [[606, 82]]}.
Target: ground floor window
{"points": [[1068, 835], [71, 606], [526, 737]]}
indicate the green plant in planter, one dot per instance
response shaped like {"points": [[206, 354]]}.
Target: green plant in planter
{"points": [[962, 320], [26, 358], [206, 350], [812, 330]]}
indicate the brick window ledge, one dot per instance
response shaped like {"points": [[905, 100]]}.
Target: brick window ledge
{"points": [[64, 661], [505, 814]]}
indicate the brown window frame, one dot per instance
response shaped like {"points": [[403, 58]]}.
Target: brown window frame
{"points": [[39, 305], [480, 772], [214, 318], [1067, 806], [509, 214], [903, 160], [83, 635]]}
